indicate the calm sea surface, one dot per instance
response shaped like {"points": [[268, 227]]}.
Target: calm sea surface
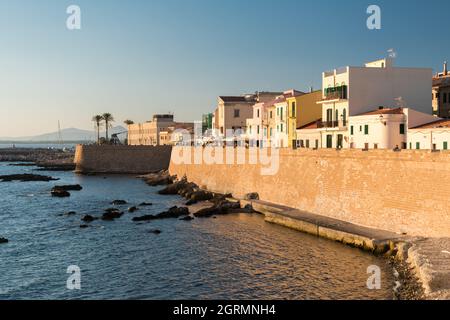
{"points": [[232, 257]]}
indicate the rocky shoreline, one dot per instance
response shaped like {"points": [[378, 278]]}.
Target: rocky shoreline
{"points": [[44, 159]]}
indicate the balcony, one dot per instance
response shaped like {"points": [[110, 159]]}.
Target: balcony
{"points": [[338, 125], [335, 94]]}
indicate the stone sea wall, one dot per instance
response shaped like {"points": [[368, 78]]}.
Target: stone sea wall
{"points": [[402, 192], [121, 159]]}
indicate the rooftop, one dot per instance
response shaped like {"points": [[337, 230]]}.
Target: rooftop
{"points": [[236, 99], [311, 125], [382, 110], [442, 123]]}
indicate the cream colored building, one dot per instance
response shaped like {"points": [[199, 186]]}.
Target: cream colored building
{"points": [[309, 136], [351, 91], [430, 136], [154, 132], [232, 112]]}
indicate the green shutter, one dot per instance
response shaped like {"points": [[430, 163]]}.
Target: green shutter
{"points": [[351, 130], [445, 145], [417, 145], [366, 129], [402, 128]]}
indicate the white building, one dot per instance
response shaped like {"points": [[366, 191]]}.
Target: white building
{"points": [[384, 128], [309, 135], [430, 136], [351, 91]]}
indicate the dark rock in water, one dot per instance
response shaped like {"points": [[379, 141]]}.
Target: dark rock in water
{"points": [[26, 178], [202, 196], [187, 218], [173, 189], [70, 213], [118, 202], [55, 166], [60, 193], [132, 209], [110, 215], [88, 218], [221, 208], [191, 202], [84, 226], [157, 179], [3, 240], [174, 212], [147, 217], [155, 231], [145, 204], [252, 196], [75, 187]]}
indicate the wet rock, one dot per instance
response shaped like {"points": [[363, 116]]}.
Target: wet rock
{"points": [[158, 179], [132, 209], [221, 208], [60, 193], [88, 218], [70, 213], [174, 212], [155, 231], [26, 178], [252, 196], [3, 240], [119, 202], [145, 204], [173, 189], [202, 196], [111, 214], [74, 187], [56, 166], [187, 218], [191, 202], [84, 226]]}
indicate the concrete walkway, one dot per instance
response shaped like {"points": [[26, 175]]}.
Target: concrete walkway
{"points": [[429, 258]]}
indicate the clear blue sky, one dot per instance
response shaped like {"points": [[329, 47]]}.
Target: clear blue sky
{"points": [[135, 58]]}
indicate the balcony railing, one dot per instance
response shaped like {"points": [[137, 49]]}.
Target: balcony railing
{"points": [[338, 92], [332, 124]]}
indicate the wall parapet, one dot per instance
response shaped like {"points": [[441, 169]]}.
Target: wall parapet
{"points": [[112, 159]]}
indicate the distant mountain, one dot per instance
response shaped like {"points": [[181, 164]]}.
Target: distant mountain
{"points": [[70, 134]]}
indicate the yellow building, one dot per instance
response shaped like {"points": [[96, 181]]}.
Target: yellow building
{"points": [[302, 109]]}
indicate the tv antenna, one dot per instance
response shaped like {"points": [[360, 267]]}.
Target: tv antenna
{"points": [[392, 53]]}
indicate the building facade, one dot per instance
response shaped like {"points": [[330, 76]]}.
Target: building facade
{"points": [[350, 91], [441, 93], [430, 136], [154, 132]]}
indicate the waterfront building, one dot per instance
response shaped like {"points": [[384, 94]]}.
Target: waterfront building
{"points": [[351, 91], [232, 112], [309, 136], [441, 93], [384, 128], [302, 110], [149, 133], [430, 136]]}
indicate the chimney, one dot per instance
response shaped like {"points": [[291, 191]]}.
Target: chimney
{"points": [[445, 72]]}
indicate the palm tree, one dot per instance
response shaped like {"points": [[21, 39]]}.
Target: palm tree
{"points": [[98, 120], [108, 118], [128, 122]]}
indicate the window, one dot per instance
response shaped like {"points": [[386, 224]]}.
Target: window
{"points": [[293, 109], [307, 143], [278, 111], [417, 145], [270, 114], [402, 128], [278, 128], [444, 97], [281, 127], [257, 129], [445, 147], [271, 133], [257, 113], [250, 129], [281, 115], [366, 129], [236, 113], [351, 130], [410, 145]]}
